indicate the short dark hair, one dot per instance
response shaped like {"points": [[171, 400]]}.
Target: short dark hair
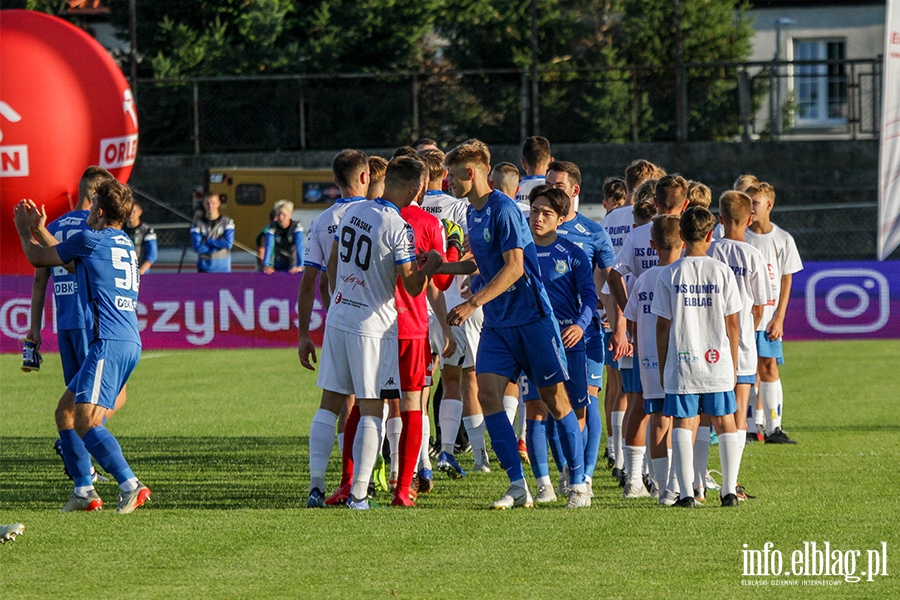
{"points": [[424, 141], [91, 179], [614, 189], [404, 170], [115, 200], [558, 199], [671, 191], [696, 223], [536, 150], [434, 158], [569, 168], [347, 165], [664, 232], [644, 210], [377, 168], [403, 151]]}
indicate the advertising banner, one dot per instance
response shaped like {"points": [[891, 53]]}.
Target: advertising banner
{"points": [[889, 155], [829, 301]]}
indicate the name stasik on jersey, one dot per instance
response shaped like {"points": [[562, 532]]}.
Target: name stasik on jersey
{"points": [[782, 258], [638, 311], [750, 273], [497, 228], [321, 233], [696, 293], [70, 307], [107, 264], [372, 239]]}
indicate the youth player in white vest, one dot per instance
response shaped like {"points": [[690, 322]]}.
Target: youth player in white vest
{"points": [[783, 260], [697, 335]]}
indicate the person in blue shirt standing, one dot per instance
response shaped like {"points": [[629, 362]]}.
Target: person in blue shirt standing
{"points": [[144, 238], [596, 243], [569, 281], [106, 261], [520, 332], [212, 237], [283, 241]]}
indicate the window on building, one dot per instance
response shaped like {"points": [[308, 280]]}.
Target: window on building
{"points": [[820, 90], [250, 194]]}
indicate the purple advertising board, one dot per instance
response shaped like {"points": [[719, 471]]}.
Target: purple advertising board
{"points": [[829, 300]]}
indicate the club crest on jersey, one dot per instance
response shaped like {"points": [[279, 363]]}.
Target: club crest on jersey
{"points": [[487, 235], [561, 266], [712, 356]]}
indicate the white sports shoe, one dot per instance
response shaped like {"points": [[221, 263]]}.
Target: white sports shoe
{"points": [[514, 497], [563, 488], [590, 486], [635, 490], [8, 533], [578, 497], [668, 498], [545, 495], [710, 483]]}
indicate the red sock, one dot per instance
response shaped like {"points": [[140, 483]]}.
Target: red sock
{"points": [[410, 445], [347, 450]]}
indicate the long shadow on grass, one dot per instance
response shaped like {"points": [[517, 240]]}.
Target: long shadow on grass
{"points": [[183, 472]]}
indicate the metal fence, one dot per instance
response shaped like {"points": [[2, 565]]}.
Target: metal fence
{"points": [[725, 101]]}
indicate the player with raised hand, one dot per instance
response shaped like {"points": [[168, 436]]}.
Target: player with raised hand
{"points": [[373, 246], [106, 261], [520, 332], [351, 174]]}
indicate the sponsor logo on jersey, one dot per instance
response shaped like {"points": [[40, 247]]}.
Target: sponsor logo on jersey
{"points": [[126, 304], [65, 288], [390, 383], [70, 221], [712, 356], [338, 298], [687, 357]]}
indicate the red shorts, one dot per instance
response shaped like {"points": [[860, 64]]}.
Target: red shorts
{"points": [[415, 364]]}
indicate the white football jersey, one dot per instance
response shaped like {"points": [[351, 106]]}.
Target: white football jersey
{"points": [[782, 258], [320, 238], [372, 239], [750, 273], [444, 206], [638, 310], [636, 255], [618, 223], [696, 293], [526, 185]]}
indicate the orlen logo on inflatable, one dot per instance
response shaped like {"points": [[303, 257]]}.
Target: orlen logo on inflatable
{"points": [[13, 159], [118, 151]]}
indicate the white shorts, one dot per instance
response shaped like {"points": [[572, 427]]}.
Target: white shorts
{"points": [[435, 334], [467, 337], [355, 364]]}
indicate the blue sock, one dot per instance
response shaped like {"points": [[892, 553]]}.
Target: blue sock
{"points": [[593, 431], [536, 440], [555, 447], [505, 444], [76, 457], [572, 446], [104, 447]]}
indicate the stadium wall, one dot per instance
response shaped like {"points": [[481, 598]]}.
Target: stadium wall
{"points": [[829, 300]]}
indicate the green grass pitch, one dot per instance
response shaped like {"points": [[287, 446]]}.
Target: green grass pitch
{"points": [[221, 439]]}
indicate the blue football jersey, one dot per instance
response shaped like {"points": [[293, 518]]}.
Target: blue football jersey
{"points": [[497, 228], [70, 307], [107, 264], [591, 237], [569, 281]]}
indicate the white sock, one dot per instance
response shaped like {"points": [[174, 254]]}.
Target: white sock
{"points": [[701, 456], [771, 395], [365, 452], [475, 430], [543, 481], [523, 423], [759, 415], [672, 483], [129, 485], [510, 404], [634, 463], [321, 440], [424, 458], [683, 460], [84, 491], [659, 470], [618, 418], [610, 448], [394, 427], [450, 417], [730, 457]]}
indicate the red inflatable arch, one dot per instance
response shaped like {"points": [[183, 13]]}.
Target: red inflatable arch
{"points": [[64, 105]]}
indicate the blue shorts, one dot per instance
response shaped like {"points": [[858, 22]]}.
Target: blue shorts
{"points": [[653, 405], [535, 349], [767, 348], [576, 385], [595, 351], [685, 406], [106, 368], [631, 381], [746, 379], [73, 348], [607, 355]]}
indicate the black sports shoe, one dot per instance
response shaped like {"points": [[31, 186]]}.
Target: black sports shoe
{"points": [[57, 446], [742, 493], [779, 437], [752, 437], [685, 502], [647, 482], [728, 500], [617, 473]]}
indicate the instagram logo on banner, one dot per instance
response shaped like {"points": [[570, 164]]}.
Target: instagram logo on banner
{"points": [[847, 301]]}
